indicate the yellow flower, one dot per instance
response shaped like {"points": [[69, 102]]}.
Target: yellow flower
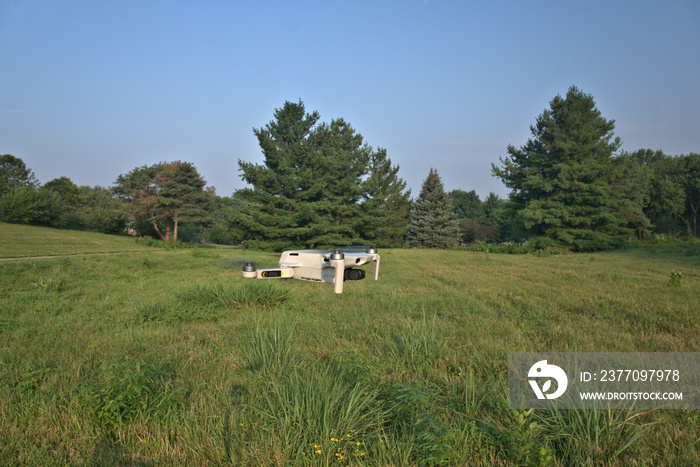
{"points": [[318, 451], [317, 446], [334, 440]]}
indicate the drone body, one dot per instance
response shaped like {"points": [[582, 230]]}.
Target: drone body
{"points": [[326, 266]]}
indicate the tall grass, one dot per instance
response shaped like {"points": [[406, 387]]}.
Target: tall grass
{"points": [[594, 436], [232, 296]]}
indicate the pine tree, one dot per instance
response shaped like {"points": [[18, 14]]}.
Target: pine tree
{"points": [[166, 194], [342, 159], [182, 198], [566, 188], [276, 215], [431, 221], [386, 205], [306, 194]]}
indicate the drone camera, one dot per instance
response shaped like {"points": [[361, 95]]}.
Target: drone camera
{"points": [[353, 274]]}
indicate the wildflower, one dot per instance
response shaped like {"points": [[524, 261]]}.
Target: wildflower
{"points": [[318, 451], [334, 440]]}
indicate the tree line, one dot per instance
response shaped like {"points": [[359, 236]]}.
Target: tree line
{"points": [[321, 185]]}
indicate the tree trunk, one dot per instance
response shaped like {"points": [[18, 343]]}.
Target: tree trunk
{"points": [[175, 231], [155, 226]]}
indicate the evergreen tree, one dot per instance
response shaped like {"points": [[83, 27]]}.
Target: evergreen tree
{"points": [[276, 215], [182, 197], [565, 186], [431, 221], [138, 190], [342, 159], [306, 194], [166, 194], [386, 204]]}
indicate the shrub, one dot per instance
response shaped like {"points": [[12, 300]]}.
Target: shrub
{"points": [[31, 206]]}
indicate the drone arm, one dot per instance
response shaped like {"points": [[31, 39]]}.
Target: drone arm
{"points": [[251, 272]]}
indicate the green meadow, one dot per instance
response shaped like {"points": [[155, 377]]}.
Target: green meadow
{"points": [[169, 357], [22, 241]]}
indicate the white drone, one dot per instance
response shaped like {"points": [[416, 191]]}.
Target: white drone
{"points": [[326, 266]]}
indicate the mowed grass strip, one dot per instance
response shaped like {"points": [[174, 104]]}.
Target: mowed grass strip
{"points": [[17, 241]]}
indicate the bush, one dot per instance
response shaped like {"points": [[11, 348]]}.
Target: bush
{"points": [[106, 220], [31, 206]]}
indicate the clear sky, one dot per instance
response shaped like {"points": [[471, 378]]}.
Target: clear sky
{"points": [[92, 89]]}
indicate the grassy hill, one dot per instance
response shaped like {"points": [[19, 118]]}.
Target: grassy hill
{"points": [[170, 357], [26, 240]]}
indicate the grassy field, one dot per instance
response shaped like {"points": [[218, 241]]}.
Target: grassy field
{"points": [[18, 241], [168, 357]]}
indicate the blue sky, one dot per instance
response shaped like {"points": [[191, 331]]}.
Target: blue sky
{"points": [[93, 89]]}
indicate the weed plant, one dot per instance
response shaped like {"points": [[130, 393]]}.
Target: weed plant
{"points": [[122, 390]]}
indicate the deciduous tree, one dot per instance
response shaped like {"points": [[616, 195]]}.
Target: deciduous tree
{"points": [[70, 194], [15, 174], [691, 185]]}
